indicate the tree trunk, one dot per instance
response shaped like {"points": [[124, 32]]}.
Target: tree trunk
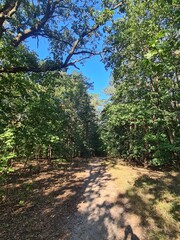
{"points": [[49, 154]]}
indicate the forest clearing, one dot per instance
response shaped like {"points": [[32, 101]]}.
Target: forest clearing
{"points": [[99, 198]]}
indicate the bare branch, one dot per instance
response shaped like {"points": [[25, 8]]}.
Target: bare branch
{"points": [[71, 52], [75, 45], [77, 60], [118, 5], [87, 52], [74, 65]]}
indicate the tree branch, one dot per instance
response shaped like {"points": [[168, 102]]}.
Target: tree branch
{"points": [[75, 45], [118, 5], [84, 34], [87, 52], [7, 11], [51, 35], [76, 61], [35, 30], [38, 69], [9, 8], [52, 66]]}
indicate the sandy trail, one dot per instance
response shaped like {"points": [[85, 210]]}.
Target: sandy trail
{"points": [[95, 199], [103, 212], [79, 202]]}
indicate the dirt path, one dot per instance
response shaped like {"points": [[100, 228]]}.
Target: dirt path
{"points": [[88, 201], [102, 213]]}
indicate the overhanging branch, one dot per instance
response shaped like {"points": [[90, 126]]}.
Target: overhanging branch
{"points": [[36, 29], [84, 34], [7, 11], [31, 69]]}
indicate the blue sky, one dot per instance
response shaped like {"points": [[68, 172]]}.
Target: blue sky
{"points": [[95, 70], [92, 68]]}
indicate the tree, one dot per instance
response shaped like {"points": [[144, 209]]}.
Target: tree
{"points": [[71, 28], [46, 115], [141, 122]]}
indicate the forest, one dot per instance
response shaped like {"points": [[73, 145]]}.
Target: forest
{"points": [[48, 115]]}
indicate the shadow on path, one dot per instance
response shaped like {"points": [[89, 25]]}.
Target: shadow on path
{"points": [[102, 213], [78, 203]]}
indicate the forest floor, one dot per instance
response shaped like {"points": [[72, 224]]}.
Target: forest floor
{"points": [[96, 199]]}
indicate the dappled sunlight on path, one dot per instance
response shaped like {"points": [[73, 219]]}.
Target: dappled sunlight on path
{"points": [[103, 210], [93, 199]]}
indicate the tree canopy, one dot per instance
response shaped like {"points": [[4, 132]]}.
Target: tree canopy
{"points": [[141, 121], [47, 113], [71, 28]]}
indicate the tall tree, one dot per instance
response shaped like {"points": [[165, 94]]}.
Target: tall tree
{"points": [[141, 122], [45, 116]]}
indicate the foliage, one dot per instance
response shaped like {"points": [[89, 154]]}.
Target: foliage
{"points": [[7, 150], [44, 112], [141, 122], [46, 115], [71, 28]]}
